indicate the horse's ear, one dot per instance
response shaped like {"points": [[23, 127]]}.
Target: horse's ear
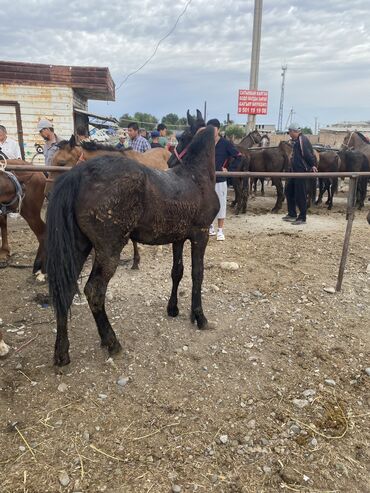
{"points": [[72, 141], [190, 118], [199, 115]]}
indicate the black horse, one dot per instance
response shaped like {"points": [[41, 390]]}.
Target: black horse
{"points": [[108, 200]]}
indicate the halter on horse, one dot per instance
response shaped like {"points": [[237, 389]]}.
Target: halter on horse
{"points": [[6, 207]]}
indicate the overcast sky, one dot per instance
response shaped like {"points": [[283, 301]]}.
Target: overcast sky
{"points": [[325, 43]]}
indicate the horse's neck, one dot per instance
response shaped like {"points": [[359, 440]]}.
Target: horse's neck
{"points": [[359, 143]]}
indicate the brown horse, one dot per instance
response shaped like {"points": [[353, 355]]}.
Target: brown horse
{"points": [[109, 199], [272, 159], [351, 160], [32, 188], [70, 154], [327, 161]]}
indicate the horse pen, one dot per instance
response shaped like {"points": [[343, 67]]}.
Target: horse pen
{"points": [[274, 399]]}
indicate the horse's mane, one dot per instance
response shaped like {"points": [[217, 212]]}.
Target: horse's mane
{"points": [[95, 146], [62, 144], [200, 140], [362, 137]]}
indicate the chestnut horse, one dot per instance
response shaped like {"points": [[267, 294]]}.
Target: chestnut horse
{"points": [[29, 199], [109, 199], [70, 154]]}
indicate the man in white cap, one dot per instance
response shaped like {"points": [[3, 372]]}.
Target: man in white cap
{"points": [[9, 146], [303, 160], [46, 129]]}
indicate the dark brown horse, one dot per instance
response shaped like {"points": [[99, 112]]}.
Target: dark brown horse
{"points": [[352, 161], [327, 162], [272, 159], [106, 201], [70, 154], [32, 184]]}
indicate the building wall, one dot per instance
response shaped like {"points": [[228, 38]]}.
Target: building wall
{"points": [[36, 101]]}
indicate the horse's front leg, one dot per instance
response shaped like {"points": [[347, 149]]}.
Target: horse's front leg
{"points": [[176, 274], [4, 250], [198, 247]]}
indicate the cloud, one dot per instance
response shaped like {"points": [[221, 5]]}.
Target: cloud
{"points": [[207, 57]]}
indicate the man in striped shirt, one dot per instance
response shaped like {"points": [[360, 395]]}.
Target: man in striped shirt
{"points": [[136, 141]]}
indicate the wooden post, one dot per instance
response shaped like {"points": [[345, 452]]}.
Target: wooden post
{"points": [[351, 204]]}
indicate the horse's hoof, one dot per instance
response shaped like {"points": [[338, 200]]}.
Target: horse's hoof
{"points": [[40, 277], [207, 326], [172, 311], [135, 267], [115, 348], [61, 359], [275, 210]]}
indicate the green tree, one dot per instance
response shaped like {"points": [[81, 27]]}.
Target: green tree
{"points": [[146, 120], [124, 120], [234, 132], [170, 119], [306, 130]]}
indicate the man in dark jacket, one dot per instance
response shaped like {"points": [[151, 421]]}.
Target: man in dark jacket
{"points": [[302, 160]]}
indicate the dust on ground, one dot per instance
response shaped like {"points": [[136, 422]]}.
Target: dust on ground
{"points": [[276, 398]]}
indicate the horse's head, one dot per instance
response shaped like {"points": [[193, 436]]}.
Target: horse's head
{"points": [[68, 153], [185, 138], [252, 139]]}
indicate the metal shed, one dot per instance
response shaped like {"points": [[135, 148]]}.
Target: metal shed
{"points": [[30, 91]]}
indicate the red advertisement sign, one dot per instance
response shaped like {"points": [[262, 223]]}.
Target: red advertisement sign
{"points": [[252, 102]]}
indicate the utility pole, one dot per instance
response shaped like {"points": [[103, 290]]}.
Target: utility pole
{"points": [[290, 119], [255, 59], [316, 126], [284, 68], [205, 111]]}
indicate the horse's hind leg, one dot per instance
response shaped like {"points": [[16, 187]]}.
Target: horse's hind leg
{"points": [[136, 263], [280, 194], [4, 250], [176, 274], [104, 267], [198, 247]]}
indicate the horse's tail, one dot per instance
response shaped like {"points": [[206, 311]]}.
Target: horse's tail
{"points": [[67, 246]]}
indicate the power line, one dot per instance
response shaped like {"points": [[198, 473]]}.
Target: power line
{"points": [[157, 46]]}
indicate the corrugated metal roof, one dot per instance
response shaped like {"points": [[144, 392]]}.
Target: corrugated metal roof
{"points": [[90, 82]]}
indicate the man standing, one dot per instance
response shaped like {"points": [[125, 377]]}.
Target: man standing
{"points": [[162, 129], [155, 139], [303, 160], [46, 129], [223, 153], [9, 146], [136, 141]]}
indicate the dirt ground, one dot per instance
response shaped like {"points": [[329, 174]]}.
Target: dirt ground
{"points": [[276, 398]]}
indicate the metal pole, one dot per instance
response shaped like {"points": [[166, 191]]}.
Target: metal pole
{"points": [[351, 204], [255, 58], [284, 68], [205, 111]]}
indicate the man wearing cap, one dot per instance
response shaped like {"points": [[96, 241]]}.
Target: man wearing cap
{"points": [[303, 160], [9, 146], [46, 129], [224, 152], [155, 139], [137, 142]]}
